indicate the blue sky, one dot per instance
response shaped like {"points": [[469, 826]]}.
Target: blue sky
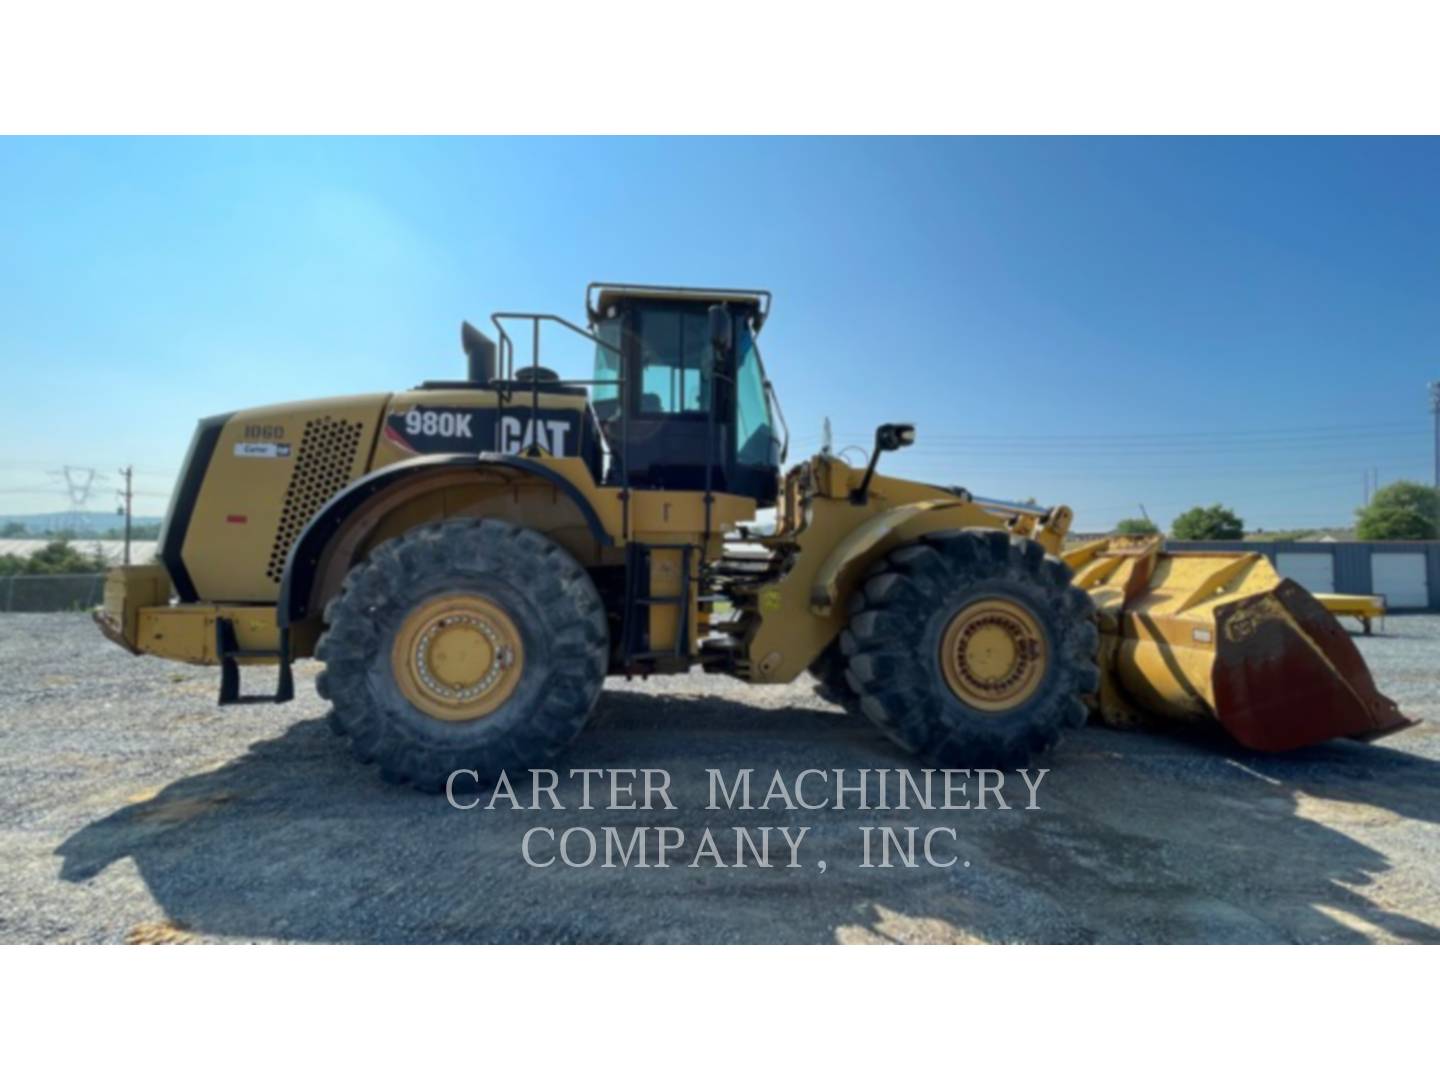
{"points": [[1098, 322]]}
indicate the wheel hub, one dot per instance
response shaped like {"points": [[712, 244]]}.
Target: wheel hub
{"points": [[457, 657], [993, 654]]}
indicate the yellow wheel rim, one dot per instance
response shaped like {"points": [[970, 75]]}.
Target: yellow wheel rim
{"points": [[457, 657], [993, 654]]}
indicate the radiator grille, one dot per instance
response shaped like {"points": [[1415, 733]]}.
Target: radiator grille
{"points": [[322, 467]]}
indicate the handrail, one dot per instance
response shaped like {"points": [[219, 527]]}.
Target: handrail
{"points": [[1013, 507], [506, 343], [506, 365]]}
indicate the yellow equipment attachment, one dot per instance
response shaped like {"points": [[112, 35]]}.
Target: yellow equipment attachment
{"points": [[1223, 638], [1364, 608]]}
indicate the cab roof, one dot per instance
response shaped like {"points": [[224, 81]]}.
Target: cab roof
{"points": [[600, 295]]}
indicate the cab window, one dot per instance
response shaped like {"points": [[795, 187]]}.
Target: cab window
{"points": [[673, 355], [605, 394]]}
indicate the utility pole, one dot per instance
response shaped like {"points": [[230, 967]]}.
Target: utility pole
{"points": [[1435, 410], [128, 473]]}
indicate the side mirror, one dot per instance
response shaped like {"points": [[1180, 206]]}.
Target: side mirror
{"points": [[887, 437], [722, 329], [894, 436]]}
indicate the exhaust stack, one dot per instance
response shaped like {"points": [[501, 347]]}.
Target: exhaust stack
{"points": [[480, 352]]}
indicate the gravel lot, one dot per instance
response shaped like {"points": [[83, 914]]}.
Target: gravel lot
{"points": [[135, 809]]}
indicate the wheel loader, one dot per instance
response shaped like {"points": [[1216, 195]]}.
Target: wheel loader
{"points": [[471, 558]]}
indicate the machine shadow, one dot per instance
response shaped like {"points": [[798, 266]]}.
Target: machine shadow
{"points": [[1138, 838]]}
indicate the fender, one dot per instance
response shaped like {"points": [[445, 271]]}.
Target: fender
{"points": [[904, 523], [301, 566], [860, 542]]}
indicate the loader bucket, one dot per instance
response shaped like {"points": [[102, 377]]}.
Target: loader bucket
{"points": [[1222, 638]]}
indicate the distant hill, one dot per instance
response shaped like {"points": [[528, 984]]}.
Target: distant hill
{"points": [[83, 525]]}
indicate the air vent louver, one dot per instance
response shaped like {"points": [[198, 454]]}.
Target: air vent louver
{"points": [[322, 467]]}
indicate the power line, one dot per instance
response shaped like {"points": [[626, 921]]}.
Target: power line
{"points": [[1166, 436], [1238, 469], [1007, 445]]}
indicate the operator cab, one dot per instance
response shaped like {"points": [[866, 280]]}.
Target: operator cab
{"points": [[692, 411]]}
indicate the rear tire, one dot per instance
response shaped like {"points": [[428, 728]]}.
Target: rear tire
{"points": [[532, 616], [901, 641]]}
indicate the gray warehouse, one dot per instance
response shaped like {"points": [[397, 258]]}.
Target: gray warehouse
{"points": [[1405, 572]]}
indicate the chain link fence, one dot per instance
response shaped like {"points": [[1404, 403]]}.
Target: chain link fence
{"points": [[51, 592]]}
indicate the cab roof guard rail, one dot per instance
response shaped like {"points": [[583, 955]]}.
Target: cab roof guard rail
{"points": [[679, 292]]}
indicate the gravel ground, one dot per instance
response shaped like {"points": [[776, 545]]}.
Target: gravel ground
{"points": [[136, 810]]}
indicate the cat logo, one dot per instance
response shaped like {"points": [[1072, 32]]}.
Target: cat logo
{"points": [[517, 436]]}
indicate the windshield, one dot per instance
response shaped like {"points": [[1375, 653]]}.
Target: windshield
{"points": [[756, 443]]}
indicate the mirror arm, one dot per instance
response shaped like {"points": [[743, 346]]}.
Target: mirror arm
{"points": [[887, 437], [861, 495]]}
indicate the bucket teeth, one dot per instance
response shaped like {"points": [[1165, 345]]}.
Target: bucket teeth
{"points": [[1222, 638]]}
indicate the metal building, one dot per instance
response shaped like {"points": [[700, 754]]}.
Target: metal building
{"points": [[1405, 572]]}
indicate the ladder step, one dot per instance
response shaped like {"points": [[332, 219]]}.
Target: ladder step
{"points": [[639, 565], [227, 648]]}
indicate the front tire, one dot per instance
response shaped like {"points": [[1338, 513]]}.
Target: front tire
{"points": [[971, 648], [468, 644], [831, 684]]}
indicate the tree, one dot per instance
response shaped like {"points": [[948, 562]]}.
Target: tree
{"points": [[1213, 522], [1400, 511], [12, 529], [1137, 527], [58, 557]]}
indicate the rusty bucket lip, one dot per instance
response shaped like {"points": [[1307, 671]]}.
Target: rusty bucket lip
{"points": [[1404, 724], [1270, 665]]}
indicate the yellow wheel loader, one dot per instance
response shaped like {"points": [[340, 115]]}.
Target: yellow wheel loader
{"points": [[471, 558]]}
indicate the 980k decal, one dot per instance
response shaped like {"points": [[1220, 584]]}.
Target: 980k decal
{"points": [[422, 430]]}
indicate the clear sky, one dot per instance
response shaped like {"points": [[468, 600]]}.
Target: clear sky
{"points": [[1098, 322]]}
